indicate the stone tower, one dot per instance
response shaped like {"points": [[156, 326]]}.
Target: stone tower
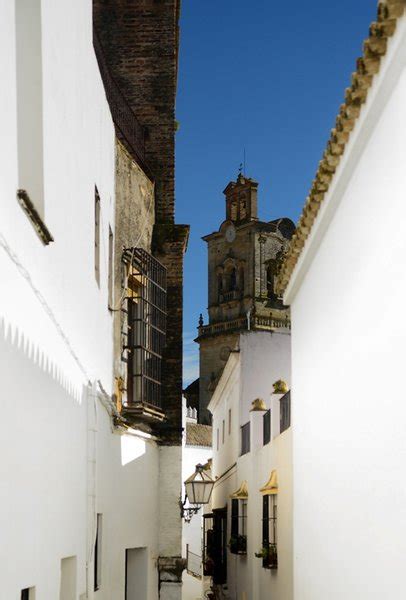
{"points": [[243, 257]]}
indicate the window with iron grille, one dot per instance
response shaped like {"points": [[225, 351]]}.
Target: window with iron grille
{"points": [[269, 531], [208, 549], [238, 538], [245, 438], [267, 427], [144, 327], [285, 412]]}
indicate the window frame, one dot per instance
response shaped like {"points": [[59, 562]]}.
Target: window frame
{"points": [[97, 236], [238, 529], [270, 531], [97, 559], [266, 427], [245, 439]]}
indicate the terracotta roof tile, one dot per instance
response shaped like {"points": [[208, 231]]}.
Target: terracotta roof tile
{"points": [[368, 65], [198, 435]]}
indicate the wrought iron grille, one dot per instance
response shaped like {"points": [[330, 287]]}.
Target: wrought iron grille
{"points": [[238, 539], [285, 412], [269, 532], [144, 327]]}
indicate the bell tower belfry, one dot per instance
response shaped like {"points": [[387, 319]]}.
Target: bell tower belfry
{"points": [[241, 200], [243, 257]]}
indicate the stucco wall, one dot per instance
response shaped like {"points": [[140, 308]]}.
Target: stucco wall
{"points": [[348, 326], [263, 359], [62, 463], [135, 217], [192, 530]]}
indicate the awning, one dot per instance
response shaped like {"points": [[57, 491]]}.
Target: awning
{"points": [[241, 493], [271, 487]]}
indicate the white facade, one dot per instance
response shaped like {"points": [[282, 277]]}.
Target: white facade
{"points": [[62, 462], [348, 337], [262, 359], [192, 455]]}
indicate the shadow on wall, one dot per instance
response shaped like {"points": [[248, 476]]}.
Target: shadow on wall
{"points": [[17, 343]]}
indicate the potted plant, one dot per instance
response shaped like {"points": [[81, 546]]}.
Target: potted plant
{"points": [[262, 553], [272, 557], [238, 544], [269, 555]]}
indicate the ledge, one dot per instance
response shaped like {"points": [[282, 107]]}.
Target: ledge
{"points": [[34, 217]]}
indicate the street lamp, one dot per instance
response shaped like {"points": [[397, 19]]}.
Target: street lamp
{"points": [[198, 490]]}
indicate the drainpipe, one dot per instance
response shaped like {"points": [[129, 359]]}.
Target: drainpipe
{"points": [[249, 319]]}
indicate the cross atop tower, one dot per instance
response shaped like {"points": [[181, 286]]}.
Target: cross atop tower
{"points": [[241, 200]]}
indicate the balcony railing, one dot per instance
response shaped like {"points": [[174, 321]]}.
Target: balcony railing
{"points": [[127, 125], [230, 296], [256, 322]]}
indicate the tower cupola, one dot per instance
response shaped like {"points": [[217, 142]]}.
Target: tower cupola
{"points": [[241, 200]]}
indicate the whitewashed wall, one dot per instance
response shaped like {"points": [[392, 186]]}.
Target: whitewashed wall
{"points": [[349, 332], [192, 531], [61, 462], [249, 374]]}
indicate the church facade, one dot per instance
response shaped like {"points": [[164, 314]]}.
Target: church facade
{"points": [[243, 258]]}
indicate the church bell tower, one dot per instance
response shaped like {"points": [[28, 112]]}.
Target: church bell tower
{"points": [[243, 257]]}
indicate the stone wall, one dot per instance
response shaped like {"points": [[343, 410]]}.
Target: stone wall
{"points": [[214, 352], [135, 216], [169, 244], [140, 42]]}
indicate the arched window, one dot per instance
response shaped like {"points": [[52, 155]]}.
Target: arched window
{"points": [[241, 282], [233, 279], [270, 276], [233, 211], [243, 207], [220, 283]]}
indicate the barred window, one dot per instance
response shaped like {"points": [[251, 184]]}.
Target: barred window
{"points": [[144, 327], [238, 539], [269, 531]]}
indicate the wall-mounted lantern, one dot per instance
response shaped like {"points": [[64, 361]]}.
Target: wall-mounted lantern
{"points": [[198, 490]]}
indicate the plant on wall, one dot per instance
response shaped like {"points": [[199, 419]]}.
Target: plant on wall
{"points": [[238, 544]]}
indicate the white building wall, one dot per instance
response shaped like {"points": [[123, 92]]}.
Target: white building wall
{"points": [[192, 530], [349, 332], [249, 374], [62, 463]]}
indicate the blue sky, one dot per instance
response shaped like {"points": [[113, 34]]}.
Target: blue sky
{"points": [[266, 76]]}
